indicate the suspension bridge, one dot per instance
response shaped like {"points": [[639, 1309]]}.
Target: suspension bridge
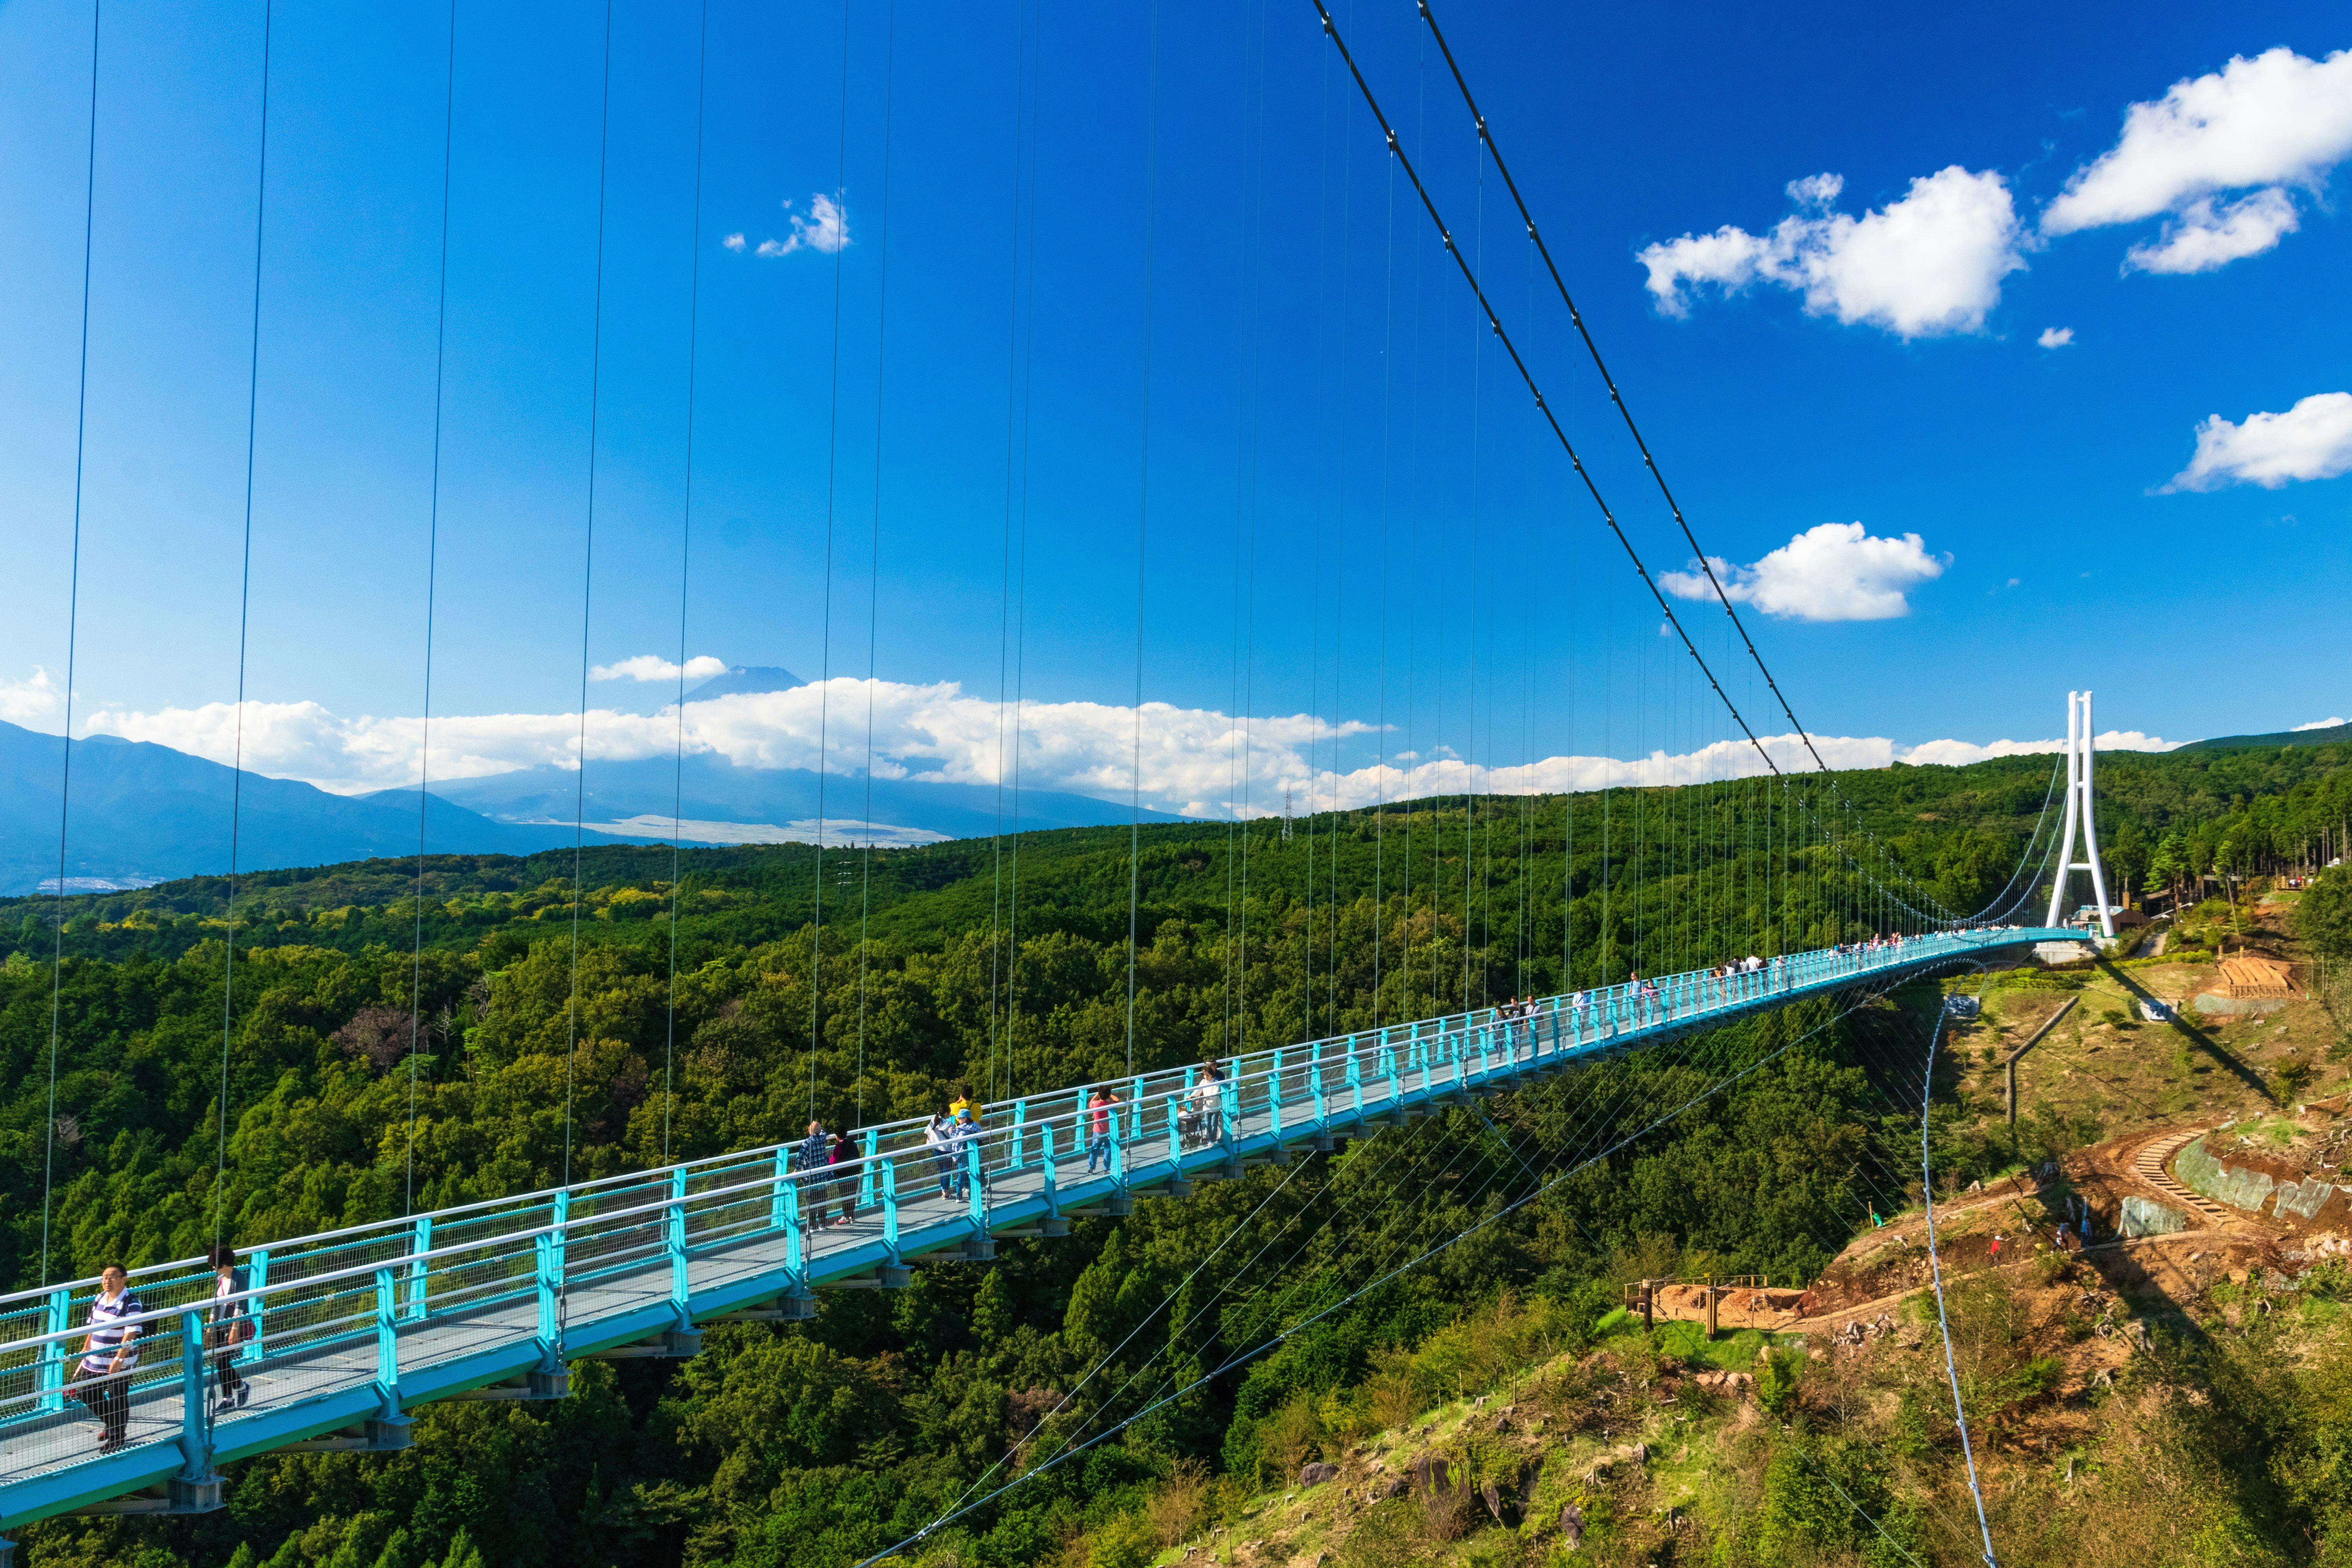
{"points": [[351, 1329], [490, 1300]]}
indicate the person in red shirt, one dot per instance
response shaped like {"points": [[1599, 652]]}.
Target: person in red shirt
{"points": [[1099, 1113]]}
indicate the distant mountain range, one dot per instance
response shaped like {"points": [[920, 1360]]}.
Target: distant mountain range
{"points": [[722, 803], [144, 813], [2335, 734], [708, 800]]}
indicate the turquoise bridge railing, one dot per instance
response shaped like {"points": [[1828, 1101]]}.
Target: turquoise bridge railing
{"points": [[490, 1300]]}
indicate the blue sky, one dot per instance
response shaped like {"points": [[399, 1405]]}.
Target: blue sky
{"points": [[1023, 188]]}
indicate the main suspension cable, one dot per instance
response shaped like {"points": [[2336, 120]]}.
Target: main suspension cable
{"points": [[1527, 374], [1536, 234]]}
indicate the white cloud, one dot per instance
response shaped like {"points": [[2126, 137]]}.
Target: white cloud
{"points": [[1926, 265], [653, 666], [2312, 440], [35, 696], [826, 230], [2275, 120], [2055, 337], [1831, 572], [2201, 238], [734, 241], [1958, 753], [2320, 724], [937, 733]]}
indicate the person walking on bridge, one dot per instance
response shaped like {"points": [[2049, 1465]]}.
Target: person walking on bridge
{"points": [[1100, 1108], [108, 1356], [808, 1157], [843, 1161], [966, 1144], [940, 1138], [228, 1328], [1208, 1105]]}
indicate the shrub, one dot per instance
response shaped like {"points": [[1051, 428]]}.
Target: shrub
{"points": [[1177, 1508], [2290, 1078], [1776, 1381], [1127, 1541]]}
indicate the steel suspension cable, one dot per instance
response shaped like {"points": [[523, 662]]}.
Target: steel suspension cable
{"points": [[587, 592], [432, 574], [685, 578], [874, 586], [824, 656], [1943, 1317], [1526, 375], [1535, 233], [73, 633], [1004, 563], [1143, 526], [244, 621]]}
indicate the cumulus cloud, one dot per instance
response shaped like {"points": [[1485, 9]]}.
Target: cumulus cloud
{"points": [[2202, 238], [734, 241], [826, 230], [2277, 120], [2312, 440], [1958, 753], [1926, 265], [2055, 337], [2322, 723], [653, 666], [1831, 572], [1197, 761], [35, 697]]}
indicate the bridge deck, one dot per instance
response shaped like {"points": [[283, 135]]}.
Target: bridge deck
{"points": [[350, 1329]]}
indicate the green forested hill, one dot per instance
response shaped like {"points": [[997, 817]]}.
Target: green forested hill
{"points": [[1002, 966]]}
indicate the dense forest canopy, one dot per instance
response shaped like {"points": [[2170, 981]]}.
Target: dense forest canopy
{"points": [[721, 1006]]}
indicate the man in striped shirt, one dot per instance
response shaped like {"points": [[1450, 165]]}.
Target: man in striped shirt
{"points": [[108, 1356]]}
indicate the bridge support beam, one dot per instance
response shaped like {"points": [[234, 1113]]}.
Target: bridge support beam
{"points": [[1049, 1227], [540, 1383], [782, 1309], [378, 1435], [887, 1277], [673, 1344], [181, 1494]]}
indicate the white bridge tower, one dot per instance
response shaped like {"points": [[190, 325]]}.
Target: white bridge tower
{"points": [[2079, 812]]}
